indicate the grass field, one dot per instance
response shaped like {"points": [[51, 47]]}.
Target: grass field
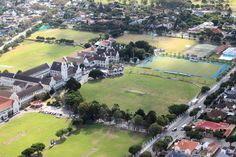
{"points": [[29, 54], [171, 45], [133, 91], [23, 131], [199, 81], [184, 66], [96, 141], [78, 36]]}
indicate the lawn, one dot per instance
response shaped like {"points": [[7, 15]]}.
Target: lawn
{"points": [[171, 45], [29, 54], [133, 91], [233, 6], [96, 141], [184, 66], [25, 130], [78, 36]]}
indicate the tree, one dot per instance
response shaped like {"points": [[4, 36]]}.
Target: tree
{"points": [[218, 134], [205, 89], [134, 149], [231, 139], [28, 152], [72, 84], [146, 154], [140, 112], [138, 120], [178, 109], [150, 118], [154, 129], [73, 100], [77, 122], [38, 147], [96, 74], [194, 112], [60, 133]]}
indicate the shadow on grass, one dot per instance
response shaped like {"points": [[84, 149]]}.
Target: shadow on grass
{"points": [[60, 141]]}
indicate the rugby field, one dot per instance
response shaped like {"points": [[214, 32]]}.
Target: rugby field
{"points": [[171, 45]]}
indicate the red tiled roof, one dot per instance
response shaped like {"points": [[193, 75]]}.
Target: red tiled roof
{"points": [[216, 30], [5, 103], [221, 48], [215, 126], [186, 144], [211, 125]]}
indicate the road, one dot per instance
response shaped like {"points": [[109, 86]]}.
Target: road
{"points": [[185, 118], [18, 35]]}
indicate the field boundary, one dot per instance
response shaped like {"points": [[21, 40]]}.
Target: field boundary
{"points": [[224, 67]]}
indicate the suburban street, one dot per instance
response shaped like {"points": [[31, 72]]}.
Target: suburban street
{"points": [[18, 35], [185, 118]]}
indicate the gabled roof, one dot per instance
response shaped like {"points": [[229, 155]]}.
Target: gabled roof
{"points": [[216, 113], [29, 90], [187, 145], [5, 103], [5, 93], [56, 66], [35, 70]]}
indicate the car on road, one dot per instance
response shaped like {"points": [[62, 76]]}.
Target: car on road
{"points": [[174, 129]]}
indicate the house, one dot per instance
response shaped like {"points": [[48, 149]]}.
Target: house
{"points": [[186, 146], [209, 149], [208, 125], [216, 114]]}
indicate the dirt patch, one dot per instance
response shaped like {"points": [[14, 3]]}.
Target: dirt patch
{"points": [[136, 92], [90, 152], [16, 138]]}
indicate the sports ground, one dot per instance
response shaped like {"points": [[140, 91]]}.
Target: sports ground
{"points": [[29, 53], [168, 64], [94, 140], [78, 36], [171, 45], [134, 91], [23, 131]]}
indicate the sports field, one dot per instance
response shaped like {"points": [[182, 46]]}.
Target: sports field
{"points": [[133, 91], [171, 45], [183, 66], [201, 50], [96, 141], [25, 130], [78, 36], [29, 54]]}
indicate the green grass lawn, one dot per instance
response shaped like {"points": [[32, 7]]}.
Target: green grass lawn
{"points": [[185, 66], [78, 36], [25, 130], [96, 141], [29, 54], [171, 45], [199, 81], [133, 91]]}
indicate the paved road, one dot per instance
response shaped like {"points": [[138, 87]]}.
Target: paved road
{"points": [[18, 35], [186, 119]]}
